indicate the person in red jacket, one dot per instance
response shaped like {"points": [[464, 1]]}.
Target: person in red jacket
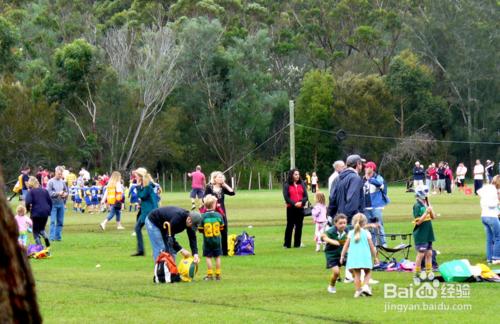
{"points": [[295, 194]]}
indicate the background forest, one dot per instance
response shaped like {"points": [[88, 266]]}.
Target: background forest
{"points": [[170, 84]]}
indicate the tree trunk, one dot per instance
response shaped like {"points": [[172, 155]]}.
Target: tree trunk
{"points": [[17, 285], [402, 119]]}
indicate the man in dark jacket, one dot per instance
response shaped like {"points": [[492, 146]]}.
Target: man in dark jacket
{"points": [[178, 219], [347, 196]]}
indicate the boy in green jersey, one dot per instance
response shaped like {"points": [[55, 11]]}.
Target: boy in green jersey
{"points": [[423, 233], [335, 238], [211, 227]]}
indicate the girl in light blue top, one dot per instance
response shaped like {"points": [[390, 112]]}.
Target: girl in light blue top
{"points": [[359, 246]]}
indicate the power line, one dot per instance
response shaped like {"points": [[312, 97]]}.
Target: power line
{"points": [[259, 146], [397, 138]]}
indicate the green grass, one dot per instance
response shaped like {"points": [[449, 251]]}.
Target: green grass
{"points": [[275, 285]]}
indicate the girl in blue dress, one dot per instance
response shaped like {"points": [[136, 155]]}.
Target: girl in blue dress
{"points": [[359, 246]]}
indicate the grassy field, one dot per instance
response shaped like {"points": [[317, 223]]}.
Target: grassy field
{"points": [[275, 285]]}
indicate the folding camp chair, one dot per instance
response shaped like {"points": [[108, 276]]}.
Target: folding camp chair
{"points": [[389, 252]]}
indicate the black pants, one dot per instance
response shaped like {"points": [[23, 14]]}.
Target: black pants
{"points": [[294, 220], [478, 184], [223, 237], [448, 185], [39, 230], [313, 188]]}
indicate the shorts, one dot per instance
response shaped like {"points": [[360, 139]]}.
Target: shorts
{"points": [[88, 201], [77, 200], [422, 247], [212, 253], [442, 184], [95, 201], [333, 262], [197, 193]]}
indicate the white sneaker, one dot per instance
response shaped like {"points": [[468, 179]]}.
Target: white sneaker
{"points": [[373, 281], [120, 227], [347, 280], [133, 234], [103, 226], [495, 262], [331, 289], [358, 293], [365, 290], [302, 245]]}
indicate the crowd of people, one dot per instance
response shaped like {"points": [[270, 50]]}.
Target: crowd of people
{"points": [[351, 227], [440, 178], [48, 193]]}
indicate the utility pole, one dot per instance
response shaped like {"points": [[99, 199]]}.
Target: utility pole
{"points": [[292, 134]]}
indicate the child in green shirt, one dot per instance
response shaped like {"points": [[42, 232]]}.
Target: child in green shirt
{"points": [[423, 233], [335, 238], [211, 226]]}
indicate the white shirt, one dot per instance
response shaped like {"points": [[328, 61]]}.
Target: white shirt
{"points": [[461, 172], [489, 201], [478, 172], [331, 179], [314, 180]]}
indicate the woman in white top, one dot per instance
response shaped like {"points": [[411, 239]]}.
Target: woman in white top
{"points": [[113, 196], [461, 172], [489, 216], [478, 176]]}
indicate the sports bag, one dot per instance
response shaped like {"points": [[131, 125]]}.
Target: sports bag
{"points": [[245, 244], [165, 267], [231, 243], [455, 271]]}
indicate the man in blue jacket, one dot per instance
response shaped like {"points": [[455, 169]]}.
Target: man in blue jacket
{"points": [[418, 175], [375, 192], [347, 195]]}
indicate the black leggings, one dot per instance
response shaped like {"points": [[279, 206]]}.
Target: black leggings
{"points": [[294, 219], [223, 236], [39, 230]]}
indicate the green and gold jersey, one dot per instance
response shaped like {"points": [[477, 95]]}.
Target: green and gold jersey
{"points": [[422, 233], [211, 226], [334, 251]]}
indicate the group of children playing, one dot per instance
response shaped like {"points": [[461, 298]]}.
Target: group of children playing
{"points": [[88, 197], [353, 245]]}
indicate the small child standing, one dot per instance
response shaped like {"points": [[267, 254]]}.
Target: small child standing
{"points": [[24, 225], [359, 246], [423, 233], [319, 218], [335, 238], [211, 226]]}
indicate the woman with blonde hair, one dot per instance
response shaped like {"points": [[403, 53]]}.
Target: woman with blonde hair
{"points": [[145, 192], [39, 203], [219, 189], [113, 197]]}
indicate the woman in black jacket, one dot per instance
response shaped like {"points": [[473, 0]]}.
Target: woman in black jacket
{"points": [[39, 203], [218, 188], [295, 194]]}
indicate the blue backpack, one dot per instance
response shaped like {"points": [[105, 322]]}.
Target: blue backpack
{"points": [[245, 244]]}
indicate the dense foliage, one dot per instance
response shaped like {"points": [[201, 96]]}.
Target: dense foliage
{"points": [[114, 84]]}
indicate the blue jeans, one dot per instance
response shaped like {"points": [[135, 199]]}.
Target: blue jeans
{"points": [[114, 211], [156, 239], [138, 234], [56, 221], [492, 228], [375, 216], [24, 192]]}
